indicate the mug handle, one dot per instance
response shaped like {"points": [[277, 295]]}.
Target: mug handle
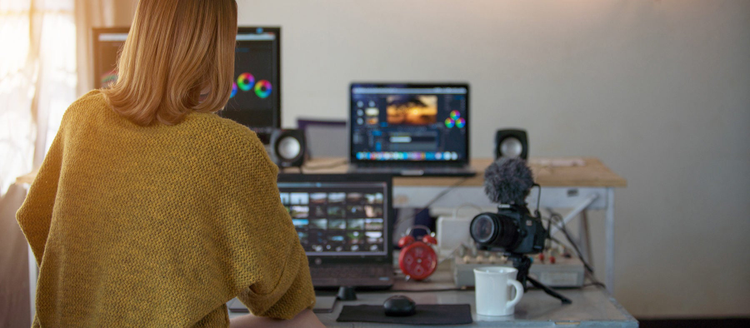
{"points": [[519, 293]]}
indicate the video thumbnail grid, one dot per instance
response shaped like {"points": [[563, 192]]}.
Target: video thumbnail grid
{"points": [[338, 221]]}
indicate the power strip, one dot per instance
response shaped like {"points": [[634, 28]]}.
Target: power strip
{"points": [[565, 272]]}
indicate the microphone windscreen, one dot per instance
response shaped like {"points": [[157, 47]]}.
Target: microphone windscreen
{"points": [[508, 181]]}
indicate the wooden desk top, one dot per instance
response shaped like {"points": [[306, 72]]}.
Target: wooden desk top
{"points": [[557, 172]]}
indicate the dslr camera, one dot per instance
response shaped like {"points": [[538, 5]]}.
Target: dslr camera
{"points": [[507, 182], [512, 229]]}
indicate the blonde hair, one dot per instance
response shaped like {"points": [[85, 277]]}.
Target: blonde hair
{"points": [[175, 49]]}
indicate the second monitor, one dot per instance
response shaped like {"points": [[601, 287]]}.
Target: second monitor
{"points": [[256, 88], [256, 84]]}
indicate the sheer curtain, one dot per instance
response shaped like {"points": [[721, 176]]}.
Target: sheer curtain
{"points": [[45, 65], [37, 80]]}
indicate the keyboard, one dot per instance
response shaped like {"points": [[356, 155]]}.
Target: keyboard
{"points": [[413, 169], [360, 275], [350, 271]]}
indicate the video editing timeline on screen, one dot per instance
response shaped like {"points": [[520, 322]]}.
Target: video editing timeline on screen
{"points": [[409, 123], [336, 219]]}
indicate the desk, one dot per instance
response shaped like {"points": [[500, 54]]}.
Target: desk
{"points": [[592, 306], [587, 184]]}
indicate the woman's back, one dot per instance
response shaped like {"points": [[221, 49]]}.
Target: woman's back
{"points": [[159, 225]]}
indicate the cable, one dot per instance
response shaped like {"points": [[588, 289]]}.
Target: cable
{"points": [[585, 264], [588, 273], [475, 206], [599, 284], [564, 229], [440, 195]]}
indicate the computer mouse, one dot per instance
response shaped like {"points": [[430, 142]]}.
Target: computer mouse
{"points": [[399, 306]]}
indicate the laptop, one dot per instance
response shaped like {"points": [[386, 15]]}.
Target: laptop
{"points": [[409, 129], [344, 224]]}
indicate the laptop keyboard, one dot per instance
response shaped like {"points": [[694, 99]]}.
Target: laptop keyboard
{"points": [[410, 166], [416, 169], [350, 271]]}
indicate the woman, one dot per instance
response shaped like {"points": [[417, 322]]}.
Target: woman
{"points": [[149, 209]]}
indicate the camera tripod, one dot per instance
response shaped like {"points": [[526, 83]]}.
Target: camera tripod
{"points": [[522, 263]]}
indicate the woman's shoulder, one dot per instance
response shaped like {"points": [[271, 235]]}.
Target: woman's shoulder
{"points": [[82, 109], [90, 100], [230, 134], [220, 126]]}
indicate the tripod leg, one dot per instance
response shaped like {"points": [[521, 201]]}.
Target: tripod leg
{"points": [[549, 291]]}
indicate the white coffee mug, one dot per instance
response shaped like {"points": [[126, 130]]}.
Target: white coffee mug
{"points": [[492, 286]]}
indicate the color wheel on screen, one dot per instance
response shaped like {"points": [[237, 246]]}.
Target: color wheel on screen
{"points": [[245, 81], [455, 120], [263, 88], [234, 90]]}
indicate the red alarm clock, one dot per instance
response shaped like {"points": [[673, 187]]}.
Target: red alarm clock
{"points": [[417, 260]]}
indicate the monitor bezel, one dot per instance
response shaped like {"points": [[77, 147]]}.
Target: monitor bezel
{"points": [[350, 128], [388, 199]]}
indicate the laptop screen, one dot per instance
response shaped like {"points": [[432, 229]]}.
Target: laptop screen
{"points": [[338, 218], [409, 122]]}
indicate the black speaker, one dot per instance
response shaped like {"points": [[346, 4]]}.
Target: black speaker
{"points": [[511, 143], [288, 147]]}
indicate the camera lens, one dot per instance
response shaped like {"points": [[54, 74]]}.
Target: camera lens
{"points": [[493, 230], [482, 228]]}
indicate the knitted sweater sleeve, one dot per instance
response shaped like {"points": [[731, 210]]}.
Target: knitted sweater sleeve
{"points": [[280, 284], [35, 215]]}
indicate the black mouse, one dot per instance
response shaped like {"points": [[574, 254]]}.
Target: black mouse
{"points": [[399, 306]]}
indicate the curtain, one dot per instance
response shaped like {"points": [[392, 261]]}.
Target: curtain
{"points": [[37, 80], [90, 14], [45, 65]]}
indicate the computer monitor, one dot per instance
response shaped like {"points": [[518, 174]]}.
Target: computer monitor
{"points": [[256, 89], [256, 95], [399, 122], [108, 43], [345, 215]]}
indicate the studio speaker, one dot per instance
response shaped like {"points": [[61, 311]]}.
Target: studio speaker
{"points": [[288, 147], [511, 143]]}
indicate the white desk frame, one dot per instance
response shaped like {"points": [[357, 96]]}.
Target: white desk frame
{"points": [[577, 198]]}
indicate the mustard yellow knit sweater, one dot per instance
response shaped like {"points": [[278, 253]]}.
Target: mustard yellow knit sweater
{"points": [[159, 226]]}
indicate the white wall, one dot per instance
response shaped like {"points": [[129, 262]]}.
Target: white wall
{"points": [[659, 90]]}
